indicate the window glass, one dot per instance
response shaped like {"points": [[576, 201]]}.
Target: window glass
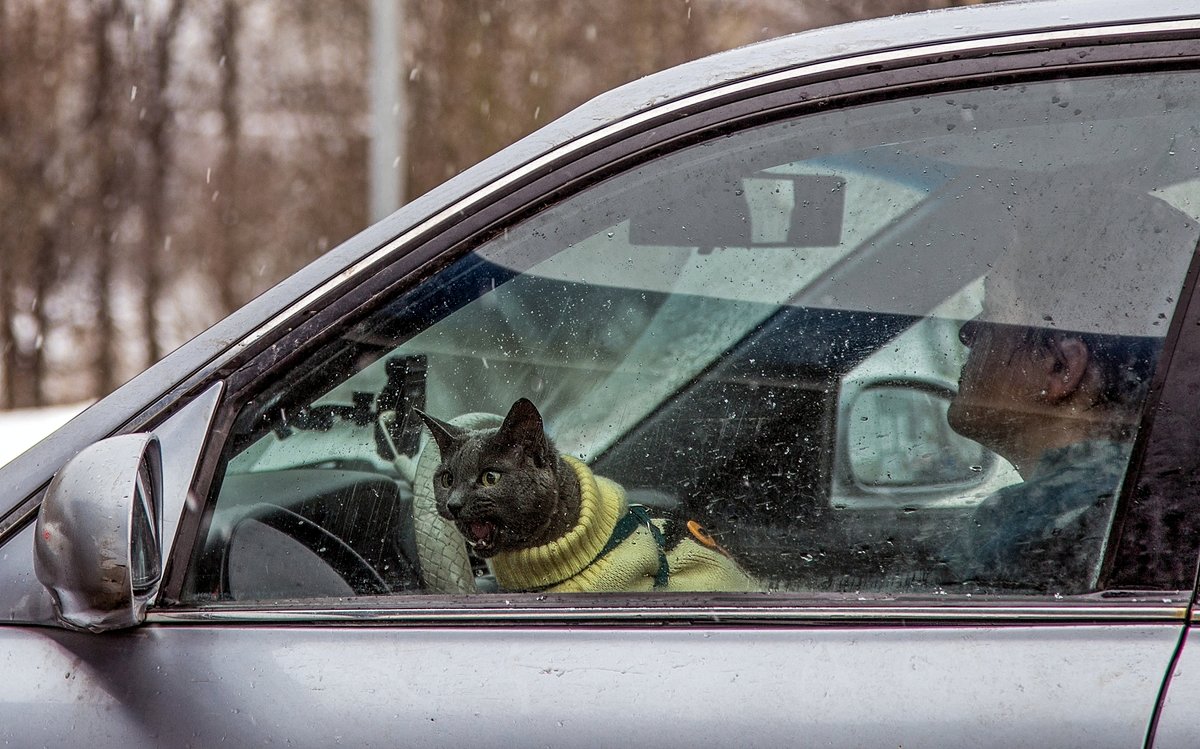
{"points": [[898, 348]]}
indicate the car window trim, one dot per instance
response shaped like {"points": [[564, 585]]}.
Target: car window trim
{"points": [[522, 609], [428, 244]]}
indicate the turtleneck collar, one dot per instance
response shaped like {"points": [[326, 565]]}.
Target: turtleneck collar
{"points": [[601, 505]]}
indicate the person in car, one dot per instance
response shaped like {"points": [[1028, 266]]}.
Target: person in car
{"points": [[1060, 361]]}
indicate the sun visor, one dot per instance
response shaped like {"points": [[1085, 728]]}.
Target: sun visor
{"points": [[1056, 255], [1116, 270]]}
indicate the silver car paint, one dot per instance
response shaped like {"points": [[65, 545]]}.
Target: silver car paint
{"points": [[1085, 686], [1177, 725]]}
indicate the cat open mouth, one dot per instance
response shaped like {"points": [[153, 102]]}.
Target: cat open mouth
{"points": [[481, 534]]}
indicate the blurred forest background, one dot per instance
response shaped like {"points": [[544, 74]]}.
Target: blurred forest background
{"points": [[164, 161]]}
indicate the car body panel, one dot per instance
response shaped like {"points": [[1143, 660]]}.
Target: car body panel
{"points": [[1087, 686], [1176, 725]]}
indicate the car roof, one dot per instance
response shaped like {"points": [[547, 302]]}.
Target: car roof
{"points": [[152, 390], [920, 29]]}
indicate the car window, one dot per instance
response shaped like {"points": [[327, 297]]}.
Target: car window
{"points": [[902, 347]]}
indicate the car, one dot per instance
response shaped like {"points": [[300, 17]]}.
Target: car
{"points": [[858, 304]]}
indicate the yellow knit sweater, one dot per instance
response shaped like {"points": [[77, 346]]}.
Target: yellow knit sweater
{"points": [[569, 564]]}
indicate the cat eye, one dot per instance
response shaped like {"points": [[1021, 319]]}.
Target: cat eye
{"points": [[489, 478], [445, 480]]}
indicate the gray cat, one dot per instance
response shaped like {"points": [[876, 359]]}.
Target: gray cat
{"points": [[505, 488], [546, 522]]}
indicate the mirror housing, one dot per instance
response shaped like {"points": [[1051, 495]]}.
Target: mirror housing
{"points": [[898, 440], [98, 547]]}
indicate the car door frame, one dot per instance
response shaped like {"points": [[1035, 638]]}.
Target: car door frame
{"points": [[415, 256]]}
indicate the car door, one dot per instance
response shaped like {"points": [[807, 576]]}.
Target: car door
{"points": [[707, 310]]}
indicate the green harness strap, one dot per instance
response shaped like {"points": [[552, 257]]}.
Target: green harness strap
{"points": [[625, 527]]}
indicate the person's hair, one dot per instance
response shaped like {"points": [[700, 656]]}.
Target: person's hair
{"points": [[1125, 363]]}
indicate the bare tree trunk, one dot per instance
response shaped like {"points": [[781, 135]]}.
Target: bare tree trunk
{"points": [[102, 126], [44, 275], [154, 128], [8, 363], [8, 347], [28, 144], [225, 264]]}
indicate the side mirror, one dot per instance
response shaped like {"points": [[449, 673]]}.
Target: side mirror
{"points": [[898, 439], [98, 546]]}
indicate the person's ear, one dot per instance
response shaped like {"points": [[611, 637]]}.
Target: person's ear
{"points": [[1067, 368]]}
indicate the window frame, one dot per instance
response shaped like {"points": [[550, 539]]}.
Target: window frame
{"points": [[417, 256]]}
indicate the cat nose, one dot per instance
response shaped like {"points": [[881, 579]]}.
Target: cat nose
{"points": [[454, 503]]}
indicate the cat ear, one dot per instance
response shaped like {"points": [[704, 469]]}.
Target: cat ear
{"points": [[446, 435], [523, 427]]}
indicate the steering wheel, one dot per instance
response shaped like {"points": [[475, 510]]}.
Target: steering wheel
{"points": [[358, 574]]}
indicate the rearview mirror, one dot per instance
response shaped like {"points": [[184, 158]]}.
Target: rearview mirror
{"points": [[98, 544], [766, 209]]}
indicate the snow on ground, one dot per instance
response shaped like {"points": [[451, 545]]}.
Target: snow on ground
{"points": [[22, 428]]}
